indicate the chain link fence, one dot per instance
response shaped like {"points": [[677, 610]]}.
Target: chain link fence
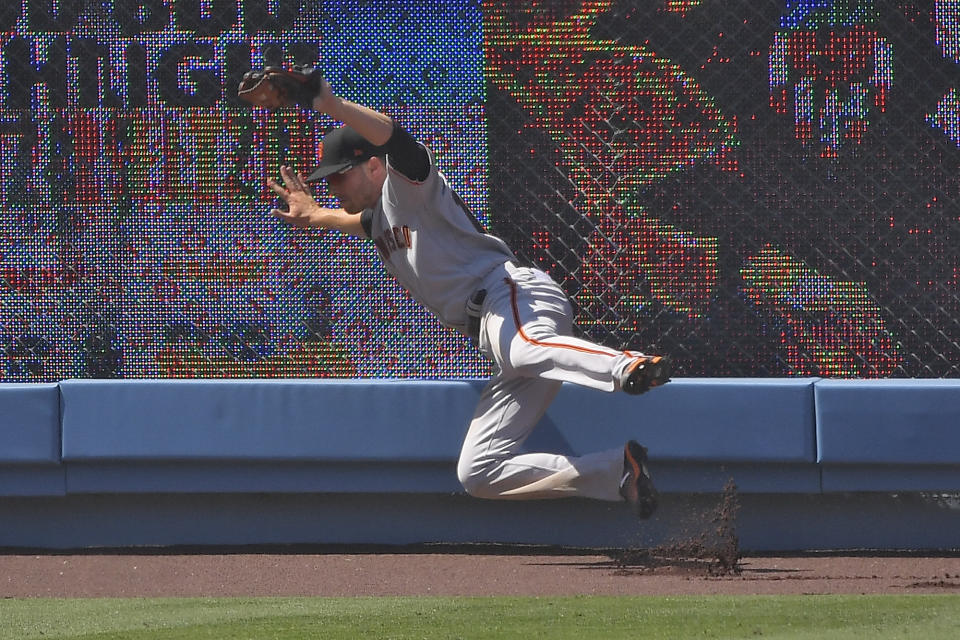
{"points": [[756, 188]]}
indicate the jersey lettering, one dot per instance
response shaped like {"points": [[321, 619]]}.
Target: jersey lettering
{"points": [[393, 239]]}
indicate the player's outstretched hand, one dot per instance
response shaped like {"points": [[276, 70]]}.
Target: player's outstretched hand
{"points": [[302, 207]]}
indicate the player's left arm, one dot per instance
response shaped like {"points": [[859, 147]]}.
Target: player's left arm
{"points": [[406, 155], [376, 127]]}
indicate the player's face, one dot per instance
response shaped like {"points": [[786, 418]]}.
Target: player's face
{"points": [[359, 187]]}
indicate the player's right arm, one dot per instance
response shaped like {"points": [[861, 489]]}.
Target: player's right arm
{"points": [[305, 212]]}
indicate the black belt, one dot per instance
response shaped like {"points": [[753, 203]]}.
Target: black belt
{"points": [[474, 312]]}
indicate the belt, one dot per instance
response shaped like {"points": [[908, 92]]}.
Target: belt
{"points": [[474, 312], [474, 307]]}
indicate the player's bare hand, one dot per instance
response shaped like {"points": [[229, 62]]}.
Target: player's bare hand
{"points": [[296, 193]]}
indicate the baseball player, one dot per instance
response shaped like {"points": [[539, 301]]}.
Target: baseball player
{"points": [[391, 192]]}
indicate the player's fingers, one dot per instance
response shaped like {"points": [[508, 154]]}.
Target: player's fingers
{"points": [[276, 188], [301, 183], [291, 179]]}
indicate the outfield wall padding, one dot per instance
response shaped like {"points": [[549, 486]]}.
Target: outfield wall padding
{"points": [[813, 461]]}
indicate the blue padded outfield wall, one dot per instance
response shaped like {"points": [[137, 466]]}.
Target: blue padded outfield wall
{"points": [[818, 464], [765, 191]]}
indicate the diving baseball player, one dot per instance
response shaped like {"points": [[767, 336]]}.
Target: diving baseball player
{"points": [[391, 192]]}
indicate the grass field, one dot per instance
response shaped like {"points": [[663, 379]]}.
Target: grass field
{"points": [[839, 616]]}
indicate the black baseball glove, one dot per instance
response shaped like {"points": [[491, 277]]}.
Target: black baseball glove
{"points": [[274, 87]]}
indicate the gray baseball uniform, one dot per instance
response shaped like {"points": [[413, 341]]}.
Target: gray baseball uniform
{"points": [[436, 250]]}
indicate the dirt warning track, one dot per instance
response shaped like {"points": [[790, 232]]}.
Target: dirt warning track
{"points": [[476, 572]]}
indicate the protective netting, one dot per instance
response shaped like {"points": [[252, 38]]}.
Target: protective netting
{"points": [[756, 188]]}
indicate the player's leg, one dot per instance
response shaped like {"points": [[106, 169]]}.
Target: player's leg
{"points": [[493, 465], [528, 331]]}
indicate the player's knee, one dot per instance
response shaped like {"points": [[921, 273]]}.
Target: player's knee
{"points": [[474, 481]]}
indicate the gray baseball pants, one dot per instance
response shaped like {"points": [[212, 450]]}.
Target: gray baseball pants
{"points": [[526, 327]]}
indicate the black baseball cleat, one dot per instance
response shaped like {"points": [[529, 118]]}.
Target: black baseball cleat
{"points": [[636, 486], [644, 373]]}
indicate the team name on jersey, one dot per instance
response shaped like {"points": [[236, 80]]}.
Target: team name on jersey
{"points": [[393, 239]]}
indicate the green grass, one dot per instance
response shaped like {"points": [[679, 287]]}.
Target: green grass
{"points": [[810, 617]]}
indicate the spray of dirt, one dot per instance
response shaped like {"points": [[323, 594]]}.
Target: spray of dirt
{"points": [[712, 548]]}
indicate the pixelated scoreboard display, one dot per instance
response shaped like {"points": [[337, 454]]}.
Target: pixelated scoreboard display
{"points": [[135, 238], [757, 188]]}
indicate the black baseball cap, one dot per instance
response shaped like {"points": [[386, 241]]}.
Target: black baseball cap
{"points": [[343, 149]]}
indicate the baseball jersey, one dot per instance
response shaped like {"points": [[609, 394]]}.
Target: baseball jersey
{"points": [[431, 243]]}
